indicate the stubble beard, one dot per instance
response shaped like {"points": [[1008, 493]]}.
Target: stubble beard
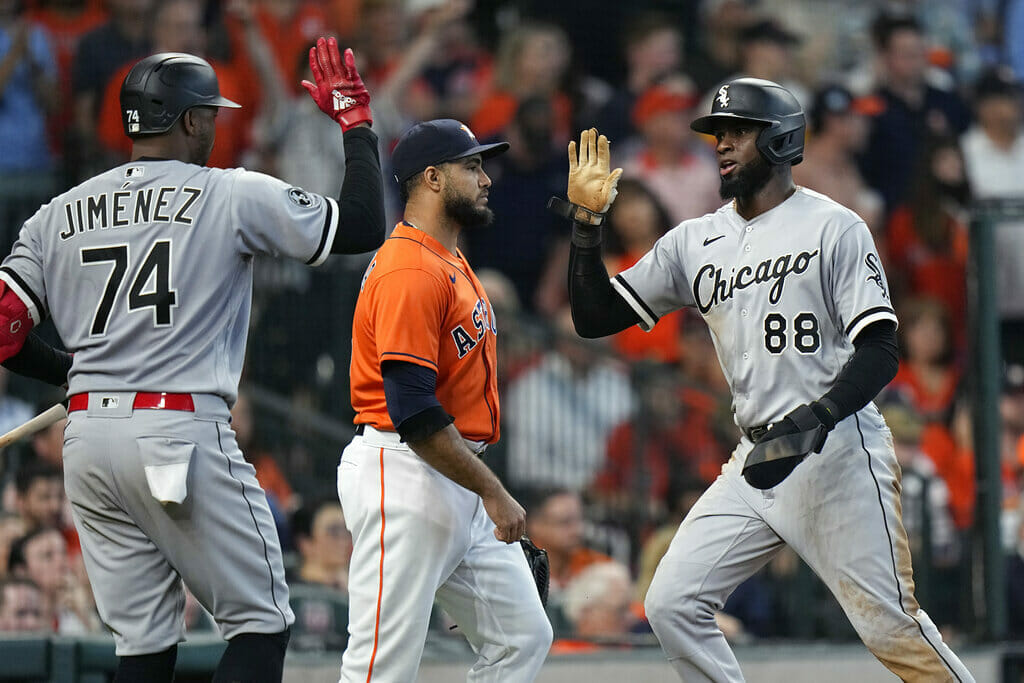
{"points": [[746, 182]]}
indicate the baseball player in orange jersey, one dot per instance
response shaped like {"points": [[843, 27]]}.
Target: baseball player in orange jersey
{"points": [[428, 518]]}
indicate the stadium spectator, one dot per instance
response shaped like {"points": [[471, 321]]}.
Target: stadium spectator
{"points": [[268, 473], [994, 156], [48, 443], [177, 27], [21, 607], [926, 238], [289, 27], [717, 49], [560, 411], [928, 376], [554, 521], [66, 21], [598, 606], [768, 50], [101, 51], [28, 87], [652, 48], [950, 446], [318, 589], [912, 109], [452, 75], [532, 61], [324, 544], [634, 223], [666, 441], [40, 499], [927, 515], [524, 178], [672, 156], [837, 132], [12, 527], [41, 556]]}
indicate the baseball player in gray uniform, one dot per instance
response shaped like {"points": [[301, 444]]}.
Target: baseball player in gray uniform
{"points": [[791, 288], [146, 271]]}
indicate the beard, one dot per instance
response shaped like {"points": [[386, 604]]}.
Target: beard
{"points": [[747, 181], [463, 211]]}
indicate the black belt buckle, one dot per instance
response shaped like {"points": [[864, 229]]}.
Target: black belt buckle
{"points": [[755, 433]]}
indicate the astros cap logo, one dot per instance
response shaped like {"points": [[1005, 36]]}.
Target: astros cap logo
{"points": [[723, 96], [468, 132]]}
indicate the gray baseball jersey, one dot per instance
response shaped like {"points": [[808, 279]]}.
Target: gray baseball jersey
{"points": [[146, 270], [784, 295]]}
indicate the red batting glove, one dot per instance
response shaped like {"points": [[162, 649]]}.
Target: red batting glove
{"points": [[338, 91]]}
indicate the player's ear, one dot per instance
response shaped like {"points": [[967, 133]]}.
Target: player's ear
{"points": [[432, 178], [189, 121]]}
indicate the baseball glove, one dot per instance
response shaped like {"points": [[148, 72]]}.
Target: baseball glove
{"points": [[537, 559], [786, 444]]}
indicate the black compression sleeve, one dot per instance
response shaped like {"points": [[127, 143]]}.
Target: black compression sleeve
{"points": [[361, 219], [597, 309], [412, 403], [872, 365], [39, 360]]}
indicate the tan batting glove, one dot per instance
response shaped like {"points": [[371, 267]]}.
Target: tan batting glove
{"points": [[590, 183]]}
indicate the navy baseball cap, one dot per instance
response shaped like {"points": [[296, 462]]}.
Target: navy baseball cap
{"points": [[431, 143]]}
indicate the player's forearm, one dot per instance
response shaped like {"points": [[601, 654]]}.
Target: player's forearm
{"points": [[361, 204], [873, 365], [39, 360], [447, 453], [597, 309]]}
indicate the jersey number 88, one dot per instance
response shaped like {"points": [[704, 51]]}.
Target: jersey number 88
{"points": [[806, 336]]}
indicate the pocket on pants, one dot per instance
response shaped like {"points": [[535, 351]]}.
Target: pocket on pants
{"points": [[166, 461]]}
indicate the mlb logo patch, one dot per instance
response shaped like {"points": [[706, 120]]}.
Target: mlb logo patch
{"points": [[134, 171], [109, 402]]}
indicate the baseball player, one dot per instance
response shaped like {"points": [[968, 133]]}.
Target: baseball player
{"points": [[428, 517], [790, 285], [146, 271]]}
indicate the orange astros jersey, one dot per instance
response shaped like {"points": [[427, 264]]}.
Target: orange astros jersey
{"points": [[421, 304]]}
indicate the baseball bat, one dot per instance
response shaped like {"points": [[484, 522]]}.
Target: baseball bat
{"points": [[38, 423]]}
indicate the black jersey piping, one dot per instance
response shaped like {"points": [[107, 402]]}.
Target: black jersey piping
{"points": [[892, 551]]}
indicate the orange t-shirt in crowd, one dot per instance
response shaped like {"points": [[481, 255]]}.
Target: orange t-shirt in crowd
{"points": [[661, 343], [289, 41], [271, 478], [421, 304], [956, 467], [231, 127], [931, 405], [942, 276], [498, 109]]}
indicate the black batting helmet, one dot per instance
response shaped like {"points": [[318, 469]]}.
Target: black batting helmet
{"points": [[755, 99], [161, 87]]}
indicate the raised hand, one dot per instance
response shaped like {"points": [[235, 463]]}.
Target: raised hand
{"points": [[338, 91], [591, 185]]}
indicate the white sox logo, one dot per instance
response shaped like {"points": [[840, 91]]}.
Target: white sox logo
{"points": [[871, 261], [711, 289], [342, 101], [723, 96]]}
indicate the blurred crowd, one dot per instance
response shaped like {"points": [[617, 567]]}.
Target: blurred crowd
{"points": [[914, 111]]}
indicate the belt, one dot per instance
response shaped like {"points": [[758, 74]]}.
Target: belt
{"points": [[143, 399], [478, 447], [755, 433], [360, 428]]}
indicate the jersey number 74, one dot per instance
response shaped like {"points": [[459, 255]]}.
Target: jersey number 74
{"points": [[150, 288]]}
